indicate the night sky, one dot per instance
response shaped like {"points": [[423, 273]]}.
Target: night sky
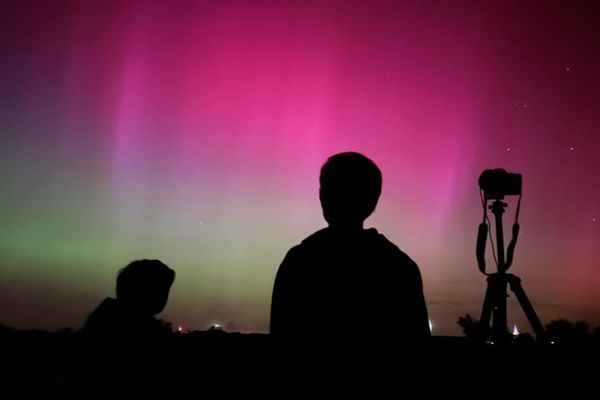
{"points": [[194, 132]]}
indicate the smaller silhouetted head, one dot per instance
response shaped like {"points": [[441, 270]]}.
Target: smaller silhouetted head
{"points": [[144, 285], [350, 189]]}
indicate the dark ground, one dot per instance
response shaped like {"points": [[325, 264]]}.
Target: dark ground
{"points": [[201, 364]]}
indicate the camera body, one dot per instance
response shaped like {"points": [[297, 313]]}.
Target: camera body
{"points": [[497, 183]]}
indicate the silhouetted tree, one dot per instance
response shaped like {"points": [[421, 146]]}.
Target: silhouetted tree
{"points": [[581, 329], [471, 327], [559, 331], [562, 331], [596, 334]]}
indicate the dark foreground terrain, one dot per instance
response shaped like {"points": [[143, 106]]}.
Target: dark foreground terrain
{"points": [[203, 364]]}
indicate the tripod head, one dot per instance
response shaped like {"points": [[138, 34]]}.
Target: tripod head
{"points": [[495, 184]]}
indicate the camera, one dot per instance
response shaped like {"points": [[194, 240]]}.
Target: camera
{"points": [[497, 183]]}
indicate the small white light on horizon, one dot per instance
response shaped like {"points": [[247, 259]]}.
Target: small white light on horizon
{"points": [[430, 326], [515, 331], [571, 148]]}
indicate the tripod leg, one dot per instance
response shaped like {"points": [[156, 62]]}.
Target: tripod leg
{"points": [[499, 327], [536, 324], [486, 311], [494, 308]]}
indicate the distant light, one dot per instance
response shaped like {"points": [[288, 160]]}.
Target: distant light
{"points": [[552, 342], [515, 331], [571, 148], [593, 219], [430, 326], [181, 329], [507, 148], [568, 69]]}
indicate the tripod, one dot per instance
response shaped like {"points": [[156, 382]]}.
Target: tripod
{"points": [[494, 303]]}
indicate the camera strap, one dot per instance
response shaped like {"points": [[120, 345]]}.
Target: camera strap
{"points": [[510, 250], [482, 234]]}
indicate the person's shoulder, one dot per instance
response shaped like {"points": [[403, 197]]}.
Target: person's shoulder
{"points": [[310, 243], [108, 306], [307, 247], [316, 238], [102, 317], [389, 248]]}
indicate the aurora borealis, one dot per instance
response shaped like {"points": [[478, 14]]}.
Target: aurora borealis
{"points": [[193, 132]]}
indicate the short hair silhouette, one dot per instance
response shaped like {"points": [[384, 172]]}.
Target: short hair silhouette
{"points": [[340, 278], [145, 284], [350, 187], [142, 292]]}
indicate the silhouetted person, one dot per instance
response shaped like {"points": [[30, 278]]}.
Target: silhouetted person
{"points": [[124, 335], [344, 281], [142, 292]]}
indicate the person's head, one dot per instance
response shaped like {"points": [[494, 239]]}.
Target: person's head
{"points": [[350, 188], [144, 285]]}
